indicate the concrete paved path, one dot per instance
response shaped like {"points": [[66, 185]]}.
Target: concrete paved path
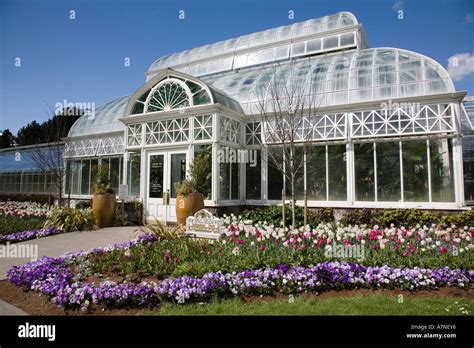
{"points": [[60, 244], [74, 241], [9, 309]]}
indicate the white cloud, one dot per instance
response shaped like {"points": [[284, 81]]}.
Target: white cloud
{"points": [[460, 65], [398, 5], [469, 18]]}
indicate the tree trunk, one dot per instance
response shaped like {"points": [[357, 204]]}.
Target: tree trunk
{"points": [[293, 215]]}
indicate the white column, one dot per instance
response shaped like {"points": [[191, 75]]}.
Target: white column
{"points": [[243, 166], [215, 172], [143, 176], [126, 158], [350, 173], [215, 163]]}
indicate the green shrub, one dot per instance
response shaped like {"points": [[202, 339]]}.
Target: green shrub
{"points": [[323, 215], [163, 232], [357, 217], [407, 217], [273, 215], [118, 216], [464, 218], [11, 224], [70, 219], [83, 205]]}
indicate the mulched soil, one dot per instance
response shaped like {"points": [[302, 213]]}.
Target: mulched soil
{"points": [[33, 303]]}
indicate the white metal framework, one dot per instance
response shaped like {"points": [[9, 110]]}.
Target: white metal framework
{"points": [[385, 133], [401, 120], [110, 145]]}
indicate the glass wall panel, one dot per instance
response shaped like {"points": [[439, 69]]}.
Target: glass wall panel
{"points": [[316, 173], [415, 171], [229, 175], [85, 175], [224, 180], [468, 165], [441, 162], [253, 175], [178, 171], [235, 194], [134, 175], [75, 177], [156, 176], [94, 164], [299, 177], [364, 172], [274, 179], [16, 187], [388, 172], [202, 164], [337, 175], [114, 172]]}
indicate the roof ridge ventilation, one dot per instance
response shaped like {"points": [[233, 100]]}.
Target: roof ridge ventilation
{"points": [[328, 33]]}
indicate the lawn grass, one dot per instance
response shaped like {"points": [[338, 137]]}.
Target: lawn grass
{"points": [[357, 305]]}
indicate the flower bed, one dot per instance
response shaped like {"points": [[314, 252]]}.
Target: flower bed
{"points": [[22, 216], [24, 210], [250, 247], [53, 277], [31, 234], [323, 276], [64, 286]]}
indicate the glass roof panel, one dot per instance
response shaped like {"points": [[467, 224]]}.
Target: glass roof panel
{"points": [[378, 72], [105, 119], [299, 29]]}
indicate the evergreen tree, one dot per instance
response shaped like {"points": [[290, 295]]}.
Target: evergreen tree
{"points": [[7, 139]]}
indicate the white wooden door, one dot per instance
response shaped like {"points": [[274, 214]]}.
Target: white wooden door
{"points": [[156, 185], [166, 169]]}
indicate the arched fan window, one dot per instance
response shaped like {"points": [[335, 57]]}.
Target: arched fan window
{"points": [[171, 93]]}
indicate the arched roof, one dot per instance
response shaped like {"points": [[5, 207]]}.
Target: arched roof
{"points": [[293, 31], [198, 91], [105, 119], [344, 78]]}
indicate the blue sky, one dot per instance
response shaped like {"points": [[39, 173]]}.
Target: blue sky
{"points": [[82, 60]]}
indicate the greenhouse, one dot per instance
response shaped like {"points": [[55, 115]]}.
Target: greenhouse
{"points": [[386, 130]]}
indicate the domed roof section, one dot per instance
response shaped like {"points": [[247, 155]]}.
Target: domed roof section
{"points": [[293, 31], [345, 78], [104, 120], [171, 89]]}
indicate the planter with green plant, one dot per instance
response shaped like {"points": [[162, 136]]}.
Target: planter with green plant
{"points": [[188, 200], [103, 201]]}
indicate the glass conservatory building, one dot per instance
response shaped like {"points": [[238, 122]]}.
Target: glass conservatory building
{"points": [[386, 132]]}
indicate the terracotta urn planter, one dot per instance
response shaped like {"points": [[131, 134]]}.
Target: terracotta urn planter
{"points": [[187, 205], [103, 209]]}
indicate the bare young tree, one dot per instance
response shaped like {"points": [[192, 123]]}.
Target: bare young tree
{"points": [[49, 156], [287, 112]]}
